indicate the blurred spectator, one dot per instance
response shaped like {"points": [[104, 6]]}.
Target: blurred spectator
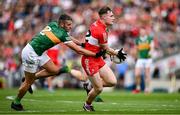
{"points": [[121, 71]]}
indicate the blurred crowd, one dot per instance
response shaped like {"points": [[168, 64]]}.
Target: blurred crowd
{"points": [[20, 20]]}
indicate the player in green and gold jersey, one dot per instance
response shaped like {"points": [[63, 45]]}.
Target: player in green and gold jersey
{"points": [[144, 46], [34, 55]]}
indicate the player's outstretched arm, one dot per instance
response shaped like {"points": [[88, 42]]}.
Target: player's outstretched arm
{"points": [[82, 51], [79, 50], [77, 42]]}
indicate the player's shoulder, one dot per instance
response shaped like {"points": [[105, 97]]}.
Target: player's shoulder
{"points": [[53, 24], [97, 29], [97, 26]]}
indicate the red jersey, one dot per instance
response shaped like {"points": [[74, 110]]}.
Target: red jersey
{"points": [[96, 35]]}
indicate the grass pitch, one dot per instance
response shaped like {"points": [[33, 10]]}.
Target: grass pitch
{"points": [[68, 101]]}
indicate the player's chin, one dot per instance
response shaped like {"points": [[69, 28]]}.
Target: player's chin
{"points": [[68, 30], [111, 23]]}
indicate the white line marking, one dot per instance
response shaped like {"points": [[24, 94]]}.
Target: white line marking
{"points": [[10, 97], [113, 103]]}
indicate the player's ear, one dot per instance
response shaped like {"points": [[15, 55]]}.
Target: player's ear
{"points": [[61, 24]]}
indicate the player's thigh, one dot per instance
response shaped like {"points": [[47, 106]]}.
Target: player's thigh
{"points": [[148, 67], [107, 75], [138, 71], [96, 81], [147, 71], [138, 67], [50, 66]]}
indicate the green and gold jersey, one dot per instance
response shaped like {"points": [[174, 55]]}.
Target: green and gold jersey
{"points": [[143, 46], [51, 35]]}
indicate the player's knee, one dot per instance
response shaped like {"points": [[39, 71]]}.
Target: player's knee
{"points": [[137, 74], [113, 83], [84, 79], [55, 71]]}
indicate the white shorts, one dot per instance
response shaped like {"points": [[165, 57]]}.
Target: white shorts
{"points": [[31, 61], [144, 63]]}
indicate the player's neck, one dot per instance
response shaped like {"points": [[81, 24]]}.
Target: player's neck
{"points": [[103, 22]]}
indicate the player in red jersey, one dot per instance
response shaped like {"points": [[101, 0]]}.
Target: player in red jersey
{"points": [[97, 70]]}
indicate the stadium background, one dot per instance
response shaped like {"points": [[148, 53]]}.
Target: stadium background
{"points": [[21, 19]]}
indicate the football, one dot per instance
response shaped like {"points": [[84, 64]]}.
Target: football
{"points": [[115, 59]]}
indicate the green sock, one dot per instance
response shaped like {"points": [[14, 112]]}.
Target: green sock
{"points": [[98, 96], [98, 99], [17, 100], [64, 69]]}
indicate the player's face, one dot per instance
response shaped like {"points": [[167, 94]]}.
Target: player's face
{"points": [[67, 25], [142, 32], [109, 18]]}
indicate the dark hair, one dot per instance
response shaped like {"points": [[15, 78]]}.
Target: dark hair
{"points": [[64, 17], [104, 10]]}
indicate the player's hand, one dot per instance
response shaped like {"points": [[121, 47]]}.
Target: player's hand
{"points": [[100, 53], [83, 45], [121, 55], [104, 56]]}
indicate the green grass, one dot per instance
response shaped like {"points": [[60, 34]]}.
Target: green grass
{"points": [[71, 101]]}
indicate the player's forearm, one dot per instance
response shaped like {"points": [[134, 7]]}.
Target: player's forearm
{"points": [[109, 50], [76, 41], [85, 52], [80, 50]]}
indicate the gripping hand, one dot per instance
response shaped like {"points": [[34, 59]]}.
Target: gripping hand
{"points": [[82, 45], [121, 55], [100, 53]]}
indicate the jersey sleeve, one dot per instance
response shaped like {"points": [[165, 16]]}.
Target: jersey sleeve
{"points": [[103, 38], [66, 38]]}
